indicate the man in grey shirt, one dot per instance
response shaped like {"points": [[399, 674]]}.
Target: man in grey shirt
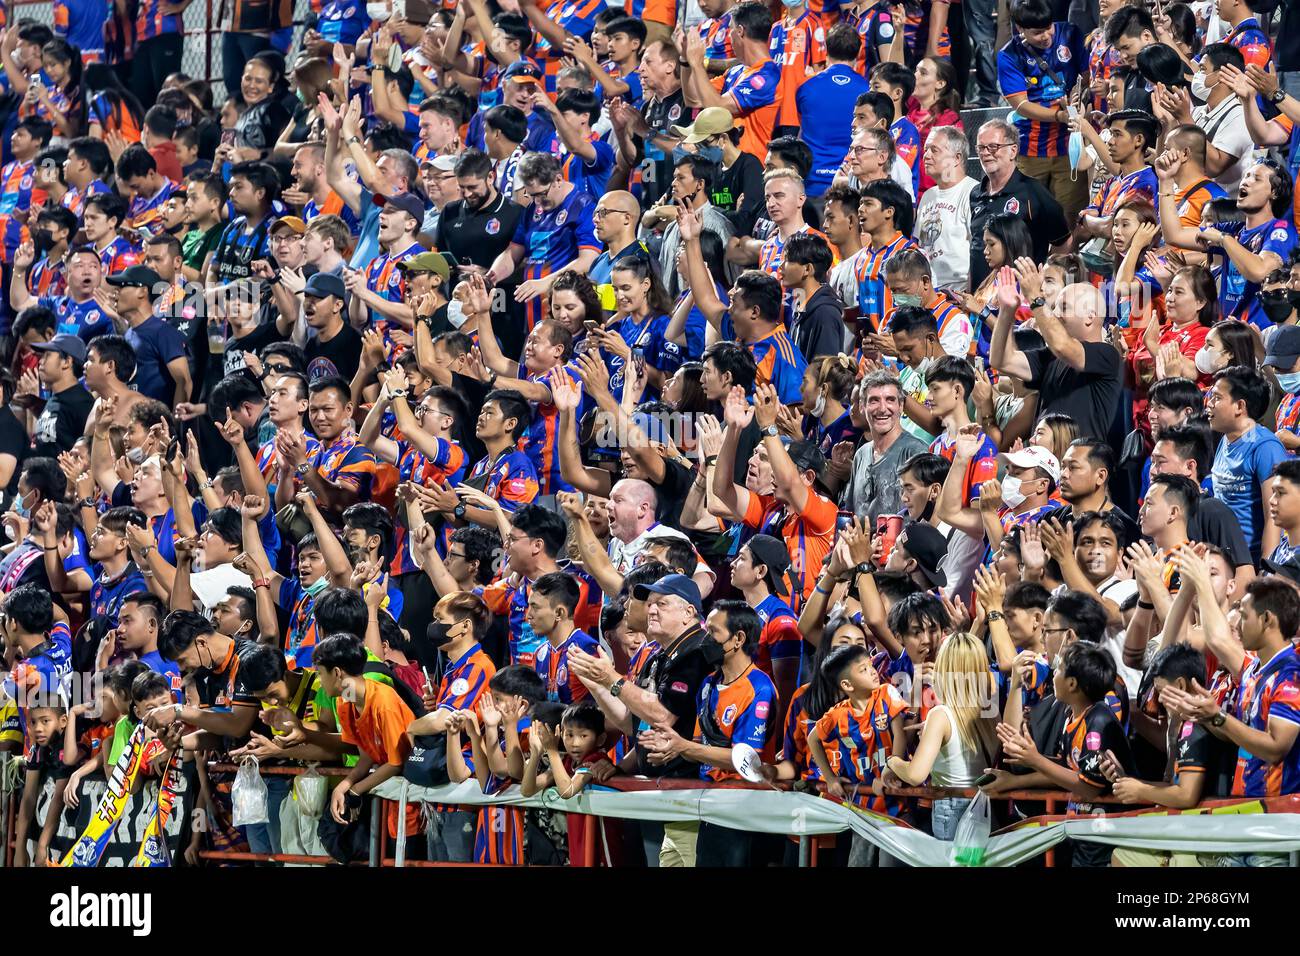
{"points": [[873, 480], [692, 179]]}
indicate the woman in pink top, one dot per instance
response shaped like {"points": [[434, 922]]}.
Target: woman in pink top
{"points": [[934, 102]]}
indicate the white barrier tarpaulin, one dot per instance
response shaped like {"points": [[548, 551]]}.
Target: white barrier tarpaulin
{"points": [[1269, 825]]}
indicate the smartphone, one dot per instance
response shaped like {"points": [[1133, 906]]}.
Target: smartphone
{"points": [[172, 448], [984, 779], [227, 137], [843, 520]]}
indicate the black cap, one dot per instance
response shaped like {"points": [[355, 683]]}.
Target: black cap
{"points": [[807, 456], [928, 548], [139, 276], [773, 554], [322, 284], [1289, 569], [64, 344]]}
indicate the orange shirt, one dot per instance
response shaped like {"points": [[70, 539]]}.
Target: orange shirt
{"points": [[808, 535], [754, 90], [379, 732]]}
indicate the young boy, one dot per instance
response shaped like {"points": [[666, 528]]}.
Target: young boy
{"points": [[915, 629], [552, 601], [1015, 618], [45, 758], [582, 735], [1084, 675], [497, 757]]}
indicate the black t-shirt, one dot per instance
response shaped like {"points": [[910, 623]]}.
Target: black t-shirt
{"points": [[254, 341], [1023, 197], [819, 329], [62, 422], [675, 674], [659, 115], [1199, 751], [261, 125], [13, 441], [1214, 523], [477, 237], [738, 191], [671, 493], [339, 356], [1085, 740], [1132, 531], [1090, 396]]}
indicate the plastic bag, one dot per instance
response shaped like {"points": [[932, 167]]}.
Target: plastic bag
{"points": [[972, 837], [301, 813], [248, 796]]}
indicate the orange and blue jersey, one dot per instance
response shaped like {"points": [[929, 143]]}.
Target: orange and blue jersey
{"points": [[737, 713], [332, 206], [17, 183], [656, 11], [412, 465], [85, 319], [542, 436], [577, 17], [552, 663], [1269, 691], [877, 29], [119, 254], [112, 117], [1193, 200], [634, 94], [1045, 77], [385, 280], [512, 479], [1238, 297], [1119, 189], [780, 638], [342, 21], [796, 48], [74, 198], [589, 176], [1102, 60], [346, 462], [62, 104], [951, 320], [47, 278], [780, 364], [907, 142], [150, 21], [1253, 43], [794, 746], [716, 34], [37, 679], [916, 33], [81, 23], [499, 830], [300, 639], [266, 458], [772, 253], [465, 681], [875, 301], [857, 745], [145, 212], [754, 90], [827, 11], [901, 672], [983, 467], [1288, 415], [808, 536], [505, 597], [552, 238]]}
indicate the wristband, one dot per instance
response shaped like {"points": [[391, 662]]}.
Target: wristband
{"points": [[710, 461], [262, 583], [1145, 605]]}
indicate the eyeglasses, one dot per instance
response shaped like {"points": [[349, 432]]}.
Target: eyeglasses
{"points": [[864, 149], [989, 149], [599, 213], [539, 195]]}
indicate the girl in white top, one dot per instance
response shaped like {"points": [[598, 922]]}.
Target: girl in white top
{"points": [[958, 739]]}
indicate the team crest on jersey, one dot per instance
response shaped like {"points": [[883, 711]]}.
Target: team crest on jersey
{"points": [[350, 11], [675, 113], [1277, 235], [1012, 206], [561, 675], [886, 31], [881, 721], [561, 216], [1063, 53], [729, 714], [27, 181], [459, 687], [493, 227]]}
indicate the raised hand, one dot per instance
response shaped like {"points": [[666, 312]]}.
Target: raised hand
{"points": [[566, 395]]}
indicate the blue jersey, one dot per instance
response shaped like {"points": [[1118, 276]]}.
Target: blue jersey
{"points": [[1045, 77], [781, 364], [646, 337], [106, 596], [85, 319], [590, 176], [1240, 468], [552, 663], [342, 21], [1238, 298], [81, 23], [552, 238], [825, 103]]}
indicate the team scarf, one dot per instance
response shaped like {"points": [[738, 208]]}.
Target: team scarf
{"points": [[153, 848], [90, 846]]}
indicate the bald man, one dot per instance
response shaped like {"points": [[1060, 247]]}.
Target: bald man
{"points": [[616, 218], [1079, 372], [632, 524]]}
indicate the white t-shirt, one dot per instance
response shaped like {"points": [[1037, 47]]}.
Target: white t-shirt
{"points": [[1225, 126], [843, 279], [943, 232]]}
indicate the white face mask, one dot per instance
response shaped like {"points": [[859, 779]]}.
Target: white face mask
{"points": [[1012, 496], [1199, 88], [378, 11], [135, 455], [1207, 359], [820, 407], [456, 314]]}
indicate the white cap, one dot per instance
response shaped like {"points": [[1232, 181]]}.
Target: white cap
{"points": [[1035, 456]]}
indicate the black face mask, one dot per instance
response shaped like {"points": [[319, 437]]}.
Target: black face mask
{"points": [[1294, 298], [42, 241], [437, 634], [713, 653], [1276, 305]]}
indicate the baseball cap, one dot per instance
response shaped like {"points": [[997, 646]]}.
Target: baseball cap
{"points": [[711, 121], [444, 164], [1289, 569], [807, 456], [69, 345], [291, 222], [1035, 456], [323, 284], [522, 71], [141, 276], [1283, 347], [924, 543], [772, 553], [678, 585], [408, 203], [436, 262]]}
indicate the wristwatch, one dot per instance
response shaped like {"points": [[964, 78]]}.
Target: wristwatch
{"points": [[866, 567], [1279, 95], [300, 472], [996, 616], [1037, 302], [1219, 719], [353, 139], [616, 688], [459, 510], [770, 431]]}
